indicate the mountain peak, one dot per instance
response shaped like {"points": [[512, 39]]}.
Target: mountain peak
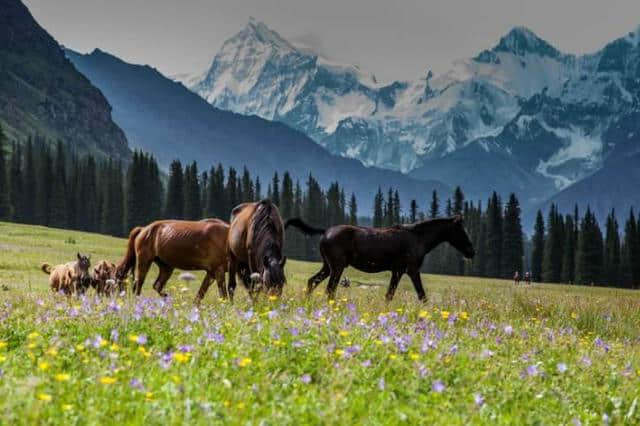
{"points": [[521, 41], [261, 33]]}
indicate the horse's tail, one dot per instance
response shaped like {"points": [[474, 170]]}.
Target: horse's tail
{"points": [[296, 222], [128, 262], [46, 268]]}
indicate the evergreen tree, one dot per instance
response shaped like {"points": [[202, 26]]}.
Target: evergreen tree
{"points": [[248, 190], [494, 236], [512, 245], [16, 182], [396, 208], [287, 196], [136, 198], [353, 210], [275, 189], [258, 189], [569, 250], [537, 253], [378, 209], [611, 261], [192, 208], [630, 254], [590, 251], [413, 212], [231, 192], [389, 209], [30, 184], [434, 208], [112, 222], [5, 207], [43, 185], [216, 199], [58, 206], [553, 249]]}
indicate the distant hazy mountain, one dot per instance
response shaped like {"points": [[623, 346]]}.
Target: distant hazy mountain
{"points": [[163, 117], [42, 93], [521, 116]]}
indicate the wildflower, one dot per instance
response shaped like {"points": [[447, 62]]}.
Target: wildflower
{"points": [[136, 384], [272, 298], [62, 377], [508, 330], [306, 378], [114, 347], [148, 396], [464, 316], [561, 367], [339, 352], [44, 397], [586, 361], [574, 315], [43, 366], [366, 363], [437, 386], [445, 315], [67, 407], [344, 333], [532, 370], [3, 344], [80, 347], [424, 315], [381, 383], [3, 358], [142, 339], [33, 335], [108, 380], [478, 399], [243, 362], [181, 357]]}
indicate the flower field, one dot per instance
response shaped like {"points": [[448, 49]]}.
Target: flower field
{"points": [[479, 351]]}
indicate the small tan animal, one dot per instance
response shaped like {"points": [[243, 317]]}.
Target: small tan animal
{"points": [[103, 278], [71, 277]]}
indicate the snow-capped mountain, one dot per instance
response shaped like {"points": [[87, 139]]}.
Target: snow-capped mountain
{"points": [[549, 117]]}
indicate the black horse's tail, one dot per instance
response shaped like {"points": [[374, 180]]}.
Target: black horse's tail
{"points": [[296, 222]]}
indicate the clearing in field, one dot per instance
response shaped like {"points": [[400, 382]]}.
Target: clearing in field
{"points": [[479, 351]]}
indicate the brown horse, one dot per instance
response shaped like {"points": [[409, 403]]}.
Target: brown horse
{"points": [[103, 278], [178, 244], [400, 249], [256, 238], [70, 277]]}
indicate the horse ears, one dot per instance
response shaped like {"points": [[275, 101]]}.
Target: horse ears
{"points": [[283, 261], [79, 257]]}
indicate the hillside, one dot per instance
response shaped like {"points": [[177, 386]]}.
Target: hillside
{"points": [[163, 117], [42, 93]]}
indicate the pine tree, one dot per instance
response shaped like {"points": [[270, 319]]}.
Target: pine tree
{"points": [[192, 208], [58, 206], [434, 209], [30, 183], [43, 185], [204, 193], [611, 261], [174, 206], [353, 210], [512, 243], [537, 253], [494, 236], [569, 250], [248, 191], [113, 209], [396, 208], [630, 253], [413, 212], [553, 249], [287, 196], [258, 189], [231, 192], [378, 209], [275, 189], [5, 207], [590, 251], [16, 184], [217, 197]]}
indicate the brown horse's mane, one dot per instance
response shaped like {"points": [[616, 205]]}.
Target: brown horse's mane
{"points": [[266, 229], [429, 223]]}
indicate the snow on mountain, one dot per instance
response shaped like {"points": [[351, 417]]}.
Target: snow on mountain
{"points": [[542, 109]]}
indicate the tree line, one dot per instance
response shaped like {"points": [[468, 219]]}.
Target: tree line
{"points": [[572, 249]]}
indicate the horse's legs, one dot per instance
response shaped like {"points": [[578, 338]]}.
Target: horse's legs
{"points": [[233, 266], [206, 282], [142, 268], [163, 277], [336, 273], [222, 289], [316, 279], [414, 274], [393, 284]]}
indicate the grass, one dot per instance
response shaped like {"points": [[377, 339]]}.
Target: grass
{"points": [[480, 351]]}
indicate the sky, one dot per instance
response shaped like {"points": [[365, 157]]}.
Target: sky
{"points": [[393, 39]]}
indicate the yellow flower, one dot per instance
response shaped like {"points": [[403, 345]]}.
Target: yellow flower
{"points": [[227, 403], [339, 352], [133, 338], [43, 365], [107, 380], [144, 351], [244, 362], [67, 407], [240, 405], [3, 344], [464, 315], [80, 347], [574, 315], [445, 315], [52, 351], [176, 380], [149, 396], [414, 356], [62, 377], [3, 358], [344, 333], [272, 297], [44, 397], [181, 358], [378, 342], [33, 335], [31, 345], [114, 347], [332, 302], [393, 356], [423, 314]]}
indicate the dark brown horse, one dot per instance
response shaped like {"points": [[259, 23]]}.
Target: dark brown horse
{"points": [[256, 238], [178, 244], [399, 249]]}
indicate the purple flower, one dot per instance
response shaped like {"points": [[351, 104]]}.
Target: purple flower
{"points": [[185, 348], [486, 353], [297, 344], [561, 367], [142, 339], [532, 371], [195, 315], [366, 363], [437, 386], [306, 378], [478, 399], [272, 314], [114, 335], [508, 330], [423, 371], [247, 315], [586, 361], [294, 331], [136, 384], [215, 337], [381, 383]]}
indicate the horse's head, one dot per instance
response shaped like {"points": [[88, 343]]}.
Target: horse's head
{"points": [[459, 238], [84, 263], [273, 274]]}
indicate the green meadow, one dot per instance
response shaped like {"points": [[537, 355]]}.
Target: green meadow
{"points": [[480, 351]]}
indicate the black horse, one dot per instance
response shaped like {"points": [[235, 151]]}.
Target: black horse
{"points": [[399, 249]]}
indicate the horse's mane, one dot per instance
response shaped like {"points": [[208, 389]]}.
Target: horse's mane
{"points": [[429, 223], [266, 228]]}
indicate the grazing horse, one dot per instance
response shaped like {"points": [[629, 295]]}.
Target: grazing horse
{"points": [[181, 244], [400, 249], [256, 238], [69, 277], [103, 278]]}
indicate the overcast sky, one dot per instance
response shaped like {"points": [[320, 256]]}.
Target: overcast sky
{"points": [[394, 39]]}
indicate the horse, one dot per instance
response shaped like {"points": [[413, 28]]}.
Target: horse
{"points": [[256, 239], [187, 245], [69, 277], [103, 278], [400, 249]]}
